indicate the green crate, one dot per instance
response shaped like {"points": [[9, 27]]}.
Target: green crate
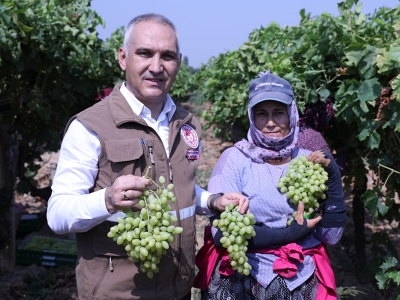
{"points": [[45, 258], [31, 222], [48, 258]]}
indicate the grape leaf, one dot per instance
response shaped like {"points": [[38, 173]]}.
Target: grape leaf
{"points": [[374, 140], [369, 90], [370, 200]]}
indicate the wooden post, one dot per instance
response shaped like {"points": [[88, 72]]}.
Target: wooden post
{"points": [[7, 254], [9, 154]]}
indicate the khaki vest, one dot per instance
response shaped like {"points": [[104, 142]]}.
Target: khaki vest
{"points": [[125, 149]]}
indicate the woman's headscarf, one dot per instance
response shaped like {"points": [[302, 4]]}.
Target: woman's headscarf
{"points": [[259, 147]]}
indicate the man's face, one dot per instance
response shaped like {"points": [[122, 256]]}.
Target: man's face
{"points": [[152, 62]]}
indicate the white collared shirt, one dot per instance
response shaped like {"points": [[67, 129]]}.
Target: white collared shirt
{"points": [[77, 169], [161, 124]]}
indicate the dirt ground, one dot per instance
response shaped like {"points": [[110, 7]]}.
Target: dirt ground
{"points": [[40, 282]]}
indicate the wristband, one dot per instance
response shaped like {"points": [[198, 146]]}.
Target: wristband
{"points": [[212, 203]]}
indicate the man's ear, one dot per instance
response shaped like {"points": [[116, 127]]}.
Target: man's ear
{"points": [[122, 58], [180, 60]]}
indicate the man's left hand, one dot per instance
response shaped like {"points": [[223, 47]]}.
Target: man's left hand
{"points": [[235, 198]]}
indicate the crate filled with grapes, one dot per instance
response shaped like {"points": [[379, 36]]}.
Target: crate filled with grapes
{"points": [[304, 181], [47, 251]]}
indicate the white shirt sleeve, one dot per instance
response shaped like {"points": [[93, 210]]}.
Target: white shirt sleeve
{"points": [[202, 196], [71, 208], [201, 201]]}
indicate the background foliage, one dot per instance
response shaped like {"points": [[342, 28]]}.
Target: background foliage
{"points": [[52, 65]]}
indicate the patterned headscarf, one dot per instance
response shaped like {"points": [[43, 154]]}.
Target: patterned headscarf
{"points": [[261, 148]]}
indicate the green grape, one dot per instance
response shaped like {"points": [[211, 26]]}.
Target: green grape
{"points": [[178, 230], [236, 230], [304, 181], [146, 234]]}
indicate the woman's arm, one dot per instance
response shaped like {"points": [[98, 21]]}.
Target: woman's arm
{"points": [[330, 229], [267, 237], [272, 237], [334, 213]]}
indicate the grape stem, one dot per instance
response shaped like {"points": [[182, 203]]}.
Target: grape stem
{"points": [[392, 171], [389, 168], [146, 175]]}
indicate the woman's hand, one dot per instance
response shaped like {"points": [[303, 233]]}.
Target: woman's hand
{"points": [[319, 157], [311, 223]]}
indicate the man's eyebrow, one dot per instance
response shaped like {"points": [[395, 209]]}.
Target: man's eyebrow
{"points": [[172, 52], [143, 49]]}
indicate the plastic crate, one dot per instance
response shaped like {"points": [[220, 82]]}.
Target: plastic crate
{"points": [[31, 222], [46, 257]]}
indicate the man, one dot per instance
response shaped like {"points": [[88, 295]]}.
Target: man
{"points": [[105, 152]]}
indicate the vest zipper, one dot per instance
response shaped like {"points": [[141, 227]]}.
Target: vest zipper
{"points": [[151, 154], [170, 170], [111, 264]]}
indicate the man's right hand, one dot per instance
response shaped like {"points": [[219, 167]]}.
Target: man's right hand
{"points": [[124, 192]]}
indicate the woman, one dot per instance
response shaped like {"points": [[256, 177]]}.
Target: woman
{"points": [[254, 167]]}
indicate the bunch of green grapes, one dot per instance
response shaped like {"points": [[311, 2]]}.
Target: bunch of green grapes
{"points": [[304, 181], [146, 234], [236, 230]]}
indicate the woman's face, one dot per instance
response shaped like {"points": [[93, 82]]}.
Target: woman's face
{"points": [[272, 119]]}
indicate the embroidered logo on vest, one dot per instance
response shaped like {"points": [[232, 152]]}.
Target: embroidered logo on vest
{"points": [[190, 136]]}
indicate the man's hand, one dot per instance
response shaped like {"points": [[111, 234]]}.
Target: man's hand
{"points": [[319, 157], [125, 192], [232, 198], [311, 223]]}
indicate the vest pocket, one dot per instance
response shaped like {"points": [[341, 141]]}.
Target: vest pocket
{"points": [[126, 157], [102, 268], [123, 150]]}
